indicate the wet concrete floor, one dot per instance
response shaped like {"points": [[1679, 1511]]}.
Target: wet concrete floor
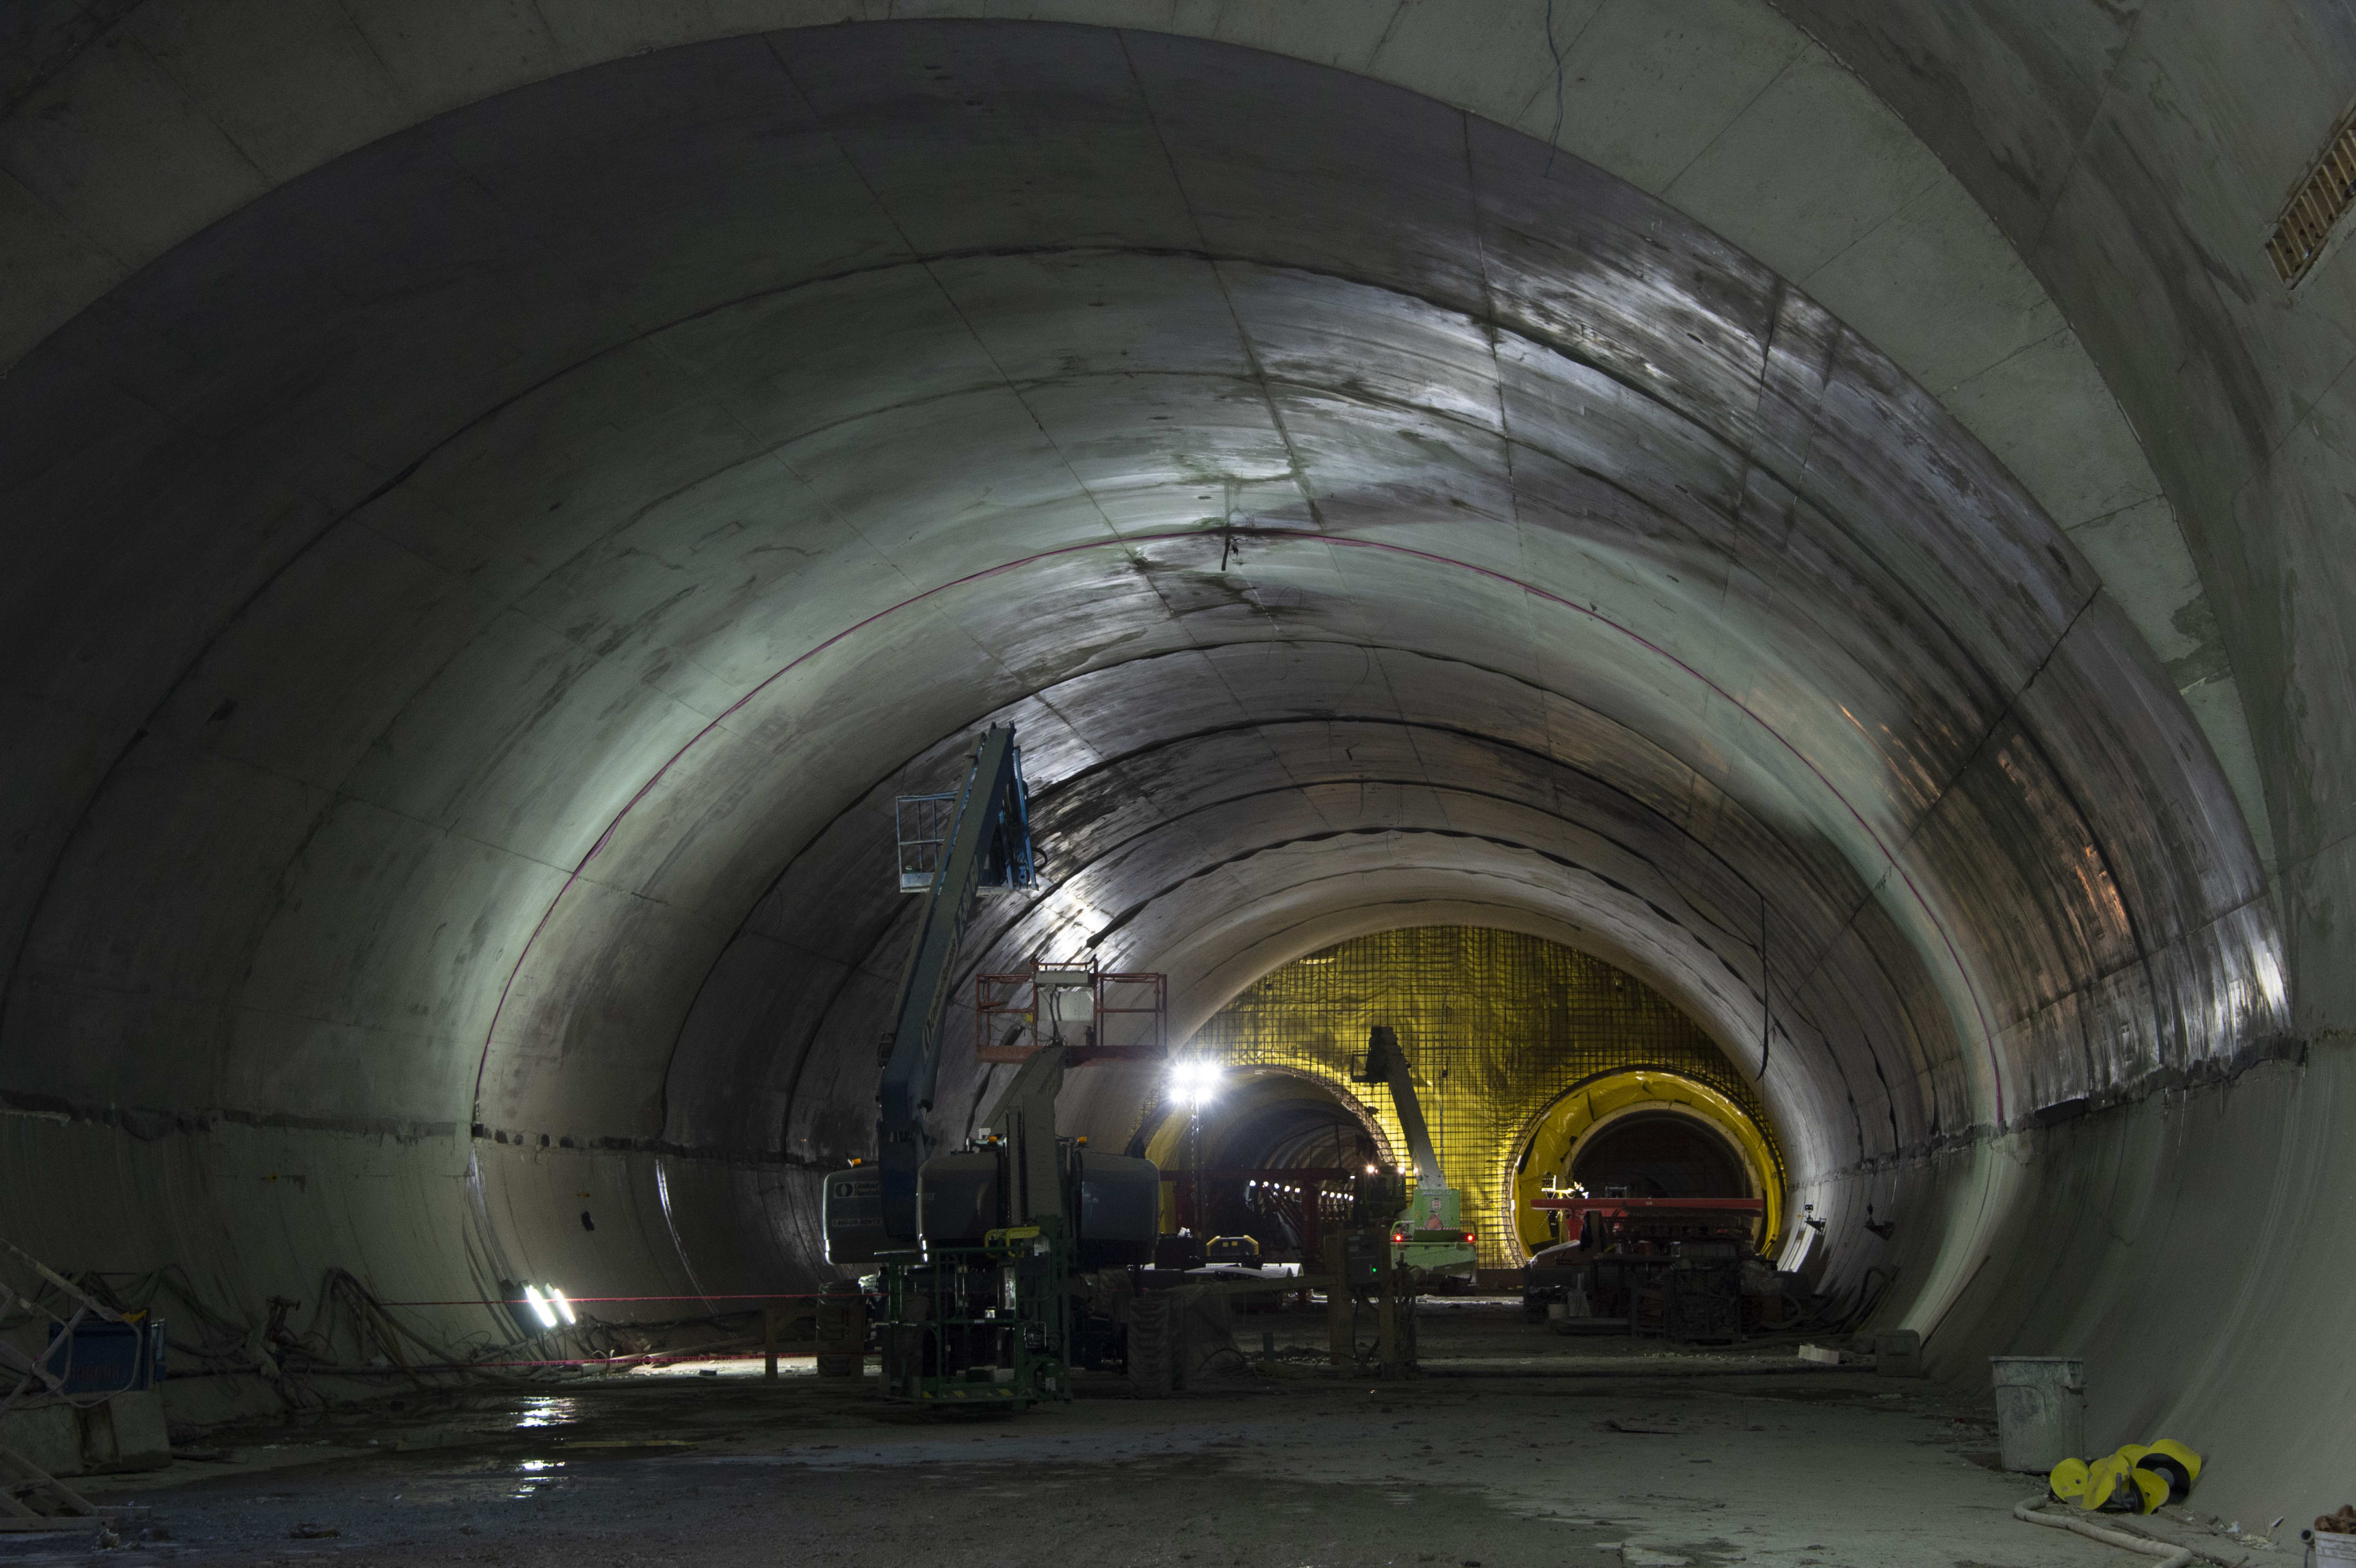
{"points": [[1518, 1448]]}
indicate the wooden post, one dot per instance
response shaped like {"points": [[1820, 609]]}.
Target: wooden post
{"points": [[1340, 1346], [842, 1330], [1312, 1231], [769, 1342]]}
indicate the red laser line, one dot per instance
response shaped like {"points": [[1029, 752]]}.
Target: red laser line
{"points": [[648, 1360], [581, 1300]]}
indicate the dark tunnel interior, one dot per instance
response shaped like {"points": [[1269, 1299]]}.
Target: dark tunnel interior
{"points": [[1223, 1159], [1660, 1154]]}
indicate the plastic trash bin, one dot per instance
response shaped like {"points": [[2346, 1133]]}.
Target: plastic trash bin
{"points": [[2041, 1409]]}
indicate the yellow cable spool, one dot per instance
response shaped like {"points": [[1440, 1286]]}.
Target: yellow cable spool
{"points": [[2104, 1479], [2150, 1489], [2115, 1485], [2180, 1464]]}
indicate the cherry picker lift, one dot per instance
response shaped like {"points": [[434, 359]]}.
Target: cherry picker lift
{"points": [[976, 1244], [1428, 1234]]}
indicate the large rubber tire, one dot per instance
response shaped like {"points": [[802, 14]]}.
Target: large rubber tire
{"points": [[1152, 1347]]}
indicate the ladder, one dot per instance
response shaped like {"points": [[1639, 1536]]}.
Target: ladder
{"points": [[30, 1498], [26, 1485]]}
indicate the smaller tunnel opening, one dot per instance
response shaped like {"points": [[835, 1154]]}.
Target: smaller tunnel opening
{"points": [[1645, 1131], [1659, 1154], [1268, 1157]]}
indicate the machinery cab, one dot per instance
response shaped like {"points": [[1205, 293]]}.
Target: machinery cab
{"points": [[1430, 1233], [852, 1208]]}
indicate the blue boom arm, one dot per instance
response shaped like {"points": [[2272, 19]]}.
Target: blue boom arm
{"points": [[989, 847]]}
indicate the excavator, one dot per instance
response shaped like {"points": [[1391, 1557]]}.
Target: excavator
{"points": [[975, 1245], [1429, 1234]]}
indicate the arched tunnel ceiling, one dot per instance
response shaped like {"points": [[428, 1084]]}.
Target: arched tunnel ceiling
{"points": [[493, 497], [133, 125], [761, 416]]}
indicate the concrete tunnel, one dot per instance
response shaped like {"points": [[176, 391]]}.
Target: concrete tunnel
{"points": [[1829, 507]]}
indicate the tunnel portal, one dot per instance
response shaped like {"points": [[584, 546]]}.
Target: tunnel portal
{"points": [[1515, 1041], [1660, 1154]]}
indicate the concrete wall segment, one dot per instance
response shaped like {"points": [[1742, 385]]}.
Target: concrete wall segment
{"points": [[2224, 1192], [1798, 215], [2159, 152]]}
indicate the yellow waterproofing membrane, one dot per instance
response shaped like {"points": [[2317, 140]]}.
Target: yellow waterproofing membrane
{"points": [[1499, 1027], [1588, 1107]]}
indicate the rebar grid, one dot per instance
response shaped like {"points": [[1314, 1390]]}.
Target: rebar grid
{"points": [[1496, 1024]]}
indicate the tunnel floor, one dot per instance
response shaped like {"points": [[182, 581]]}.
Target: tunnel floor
{"points": [[1494, 1458]]}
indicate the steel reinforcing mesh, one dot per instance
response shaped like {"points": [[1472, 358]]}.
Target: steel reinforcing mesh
{"points": [[1497, 1026]]}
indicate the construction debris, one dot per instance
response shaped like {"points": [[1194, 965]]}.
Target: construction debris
{"points": [[2137, 1478]]}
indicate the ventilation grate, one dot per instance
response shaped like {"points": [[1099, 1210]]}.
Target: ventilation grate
{"points": [[2321, 199]]}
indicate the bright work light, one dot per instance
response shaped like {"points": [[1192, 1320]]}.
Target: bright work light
{"points": [[1194, 1082]]}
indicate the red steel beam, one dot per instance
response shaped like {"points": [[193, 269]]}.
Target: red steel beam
{"points": [[1666, 1206]]}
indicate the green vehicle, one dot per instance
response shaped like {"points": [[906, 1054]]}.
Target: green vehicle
{"points": [[1430, 1236], [1430, 1233]]}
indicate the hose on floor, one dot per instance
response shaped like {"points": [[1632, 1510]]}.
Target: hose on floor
{"points": [[2171, 1556]]}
